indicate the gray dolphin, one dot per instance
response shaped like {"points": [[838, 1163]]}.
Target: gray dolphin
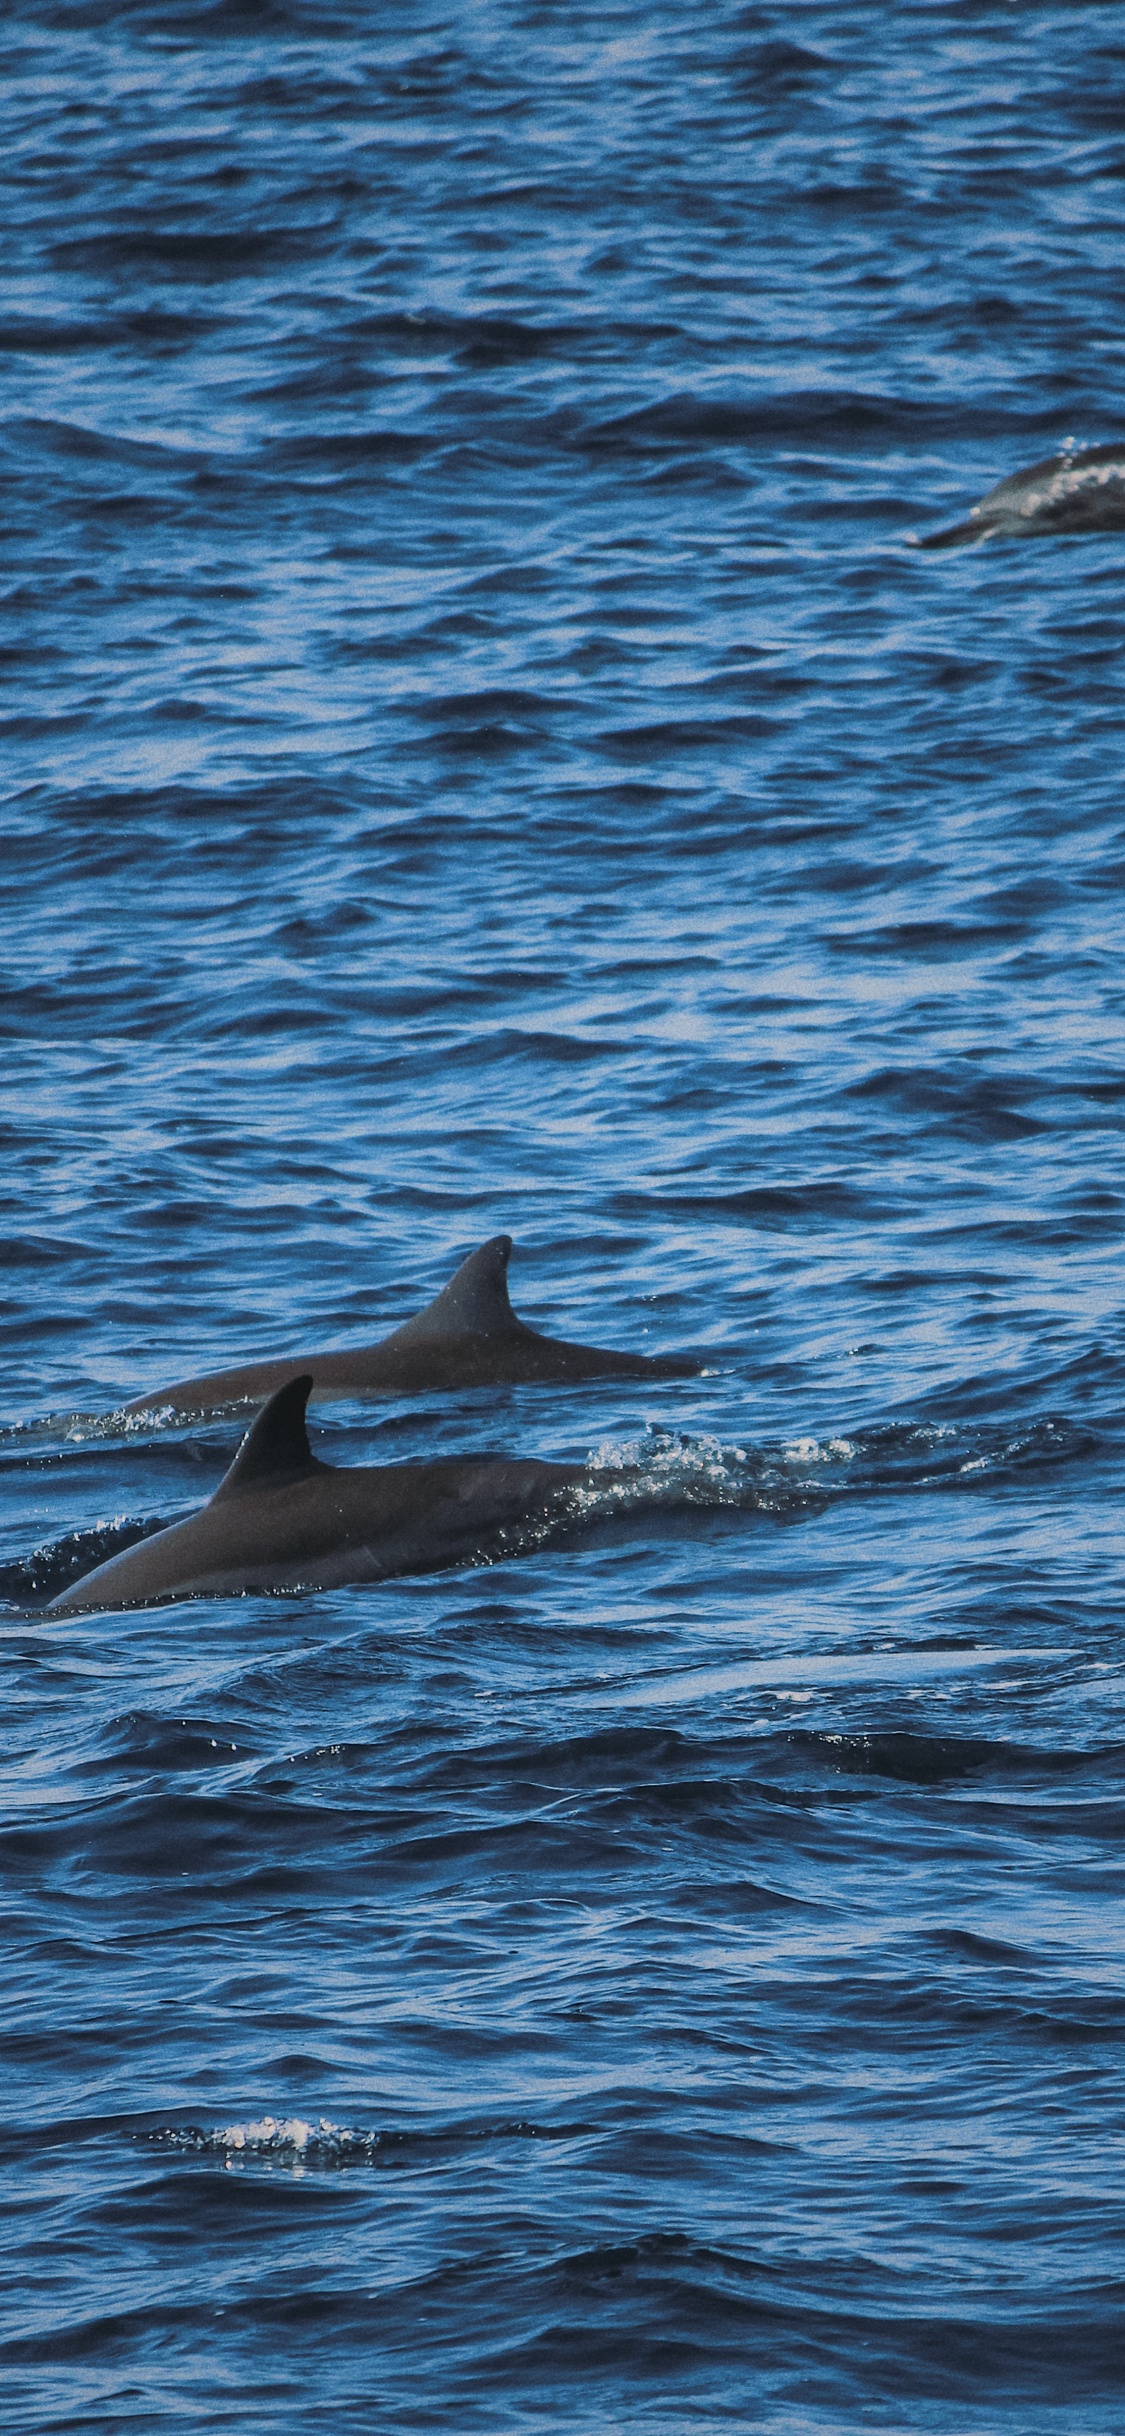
{"points": [[1081, 491], [469, 1336], [281, 1520]]}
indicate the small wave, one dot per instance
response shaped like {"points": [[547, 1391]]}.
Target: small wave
{"points": [[932, 1759], [830, 418], [53, 1567], [924, 1455]]}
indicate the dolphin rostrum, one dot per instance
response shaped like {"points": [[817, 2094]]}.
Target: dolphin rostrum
{"points": [[281, 1520], [1081, 491], [469, 1336]]}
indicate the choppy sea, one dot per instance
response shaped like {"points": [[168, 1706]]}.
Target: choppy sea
{"points": [[481, 755]]}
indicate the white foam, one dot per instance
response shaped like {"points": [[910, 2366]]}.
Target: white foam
{"points": [[271, 2132]]}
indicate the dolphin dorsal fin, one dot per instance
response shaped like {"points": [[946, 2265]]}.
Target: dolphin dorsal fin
{"points": [[277, 1447], [474, 1303]]}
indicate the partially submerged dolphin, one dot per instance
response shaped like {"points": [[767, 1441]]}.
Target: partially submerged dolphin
{"points": [[281, 1520], [469, 1336], [1081, 491]]}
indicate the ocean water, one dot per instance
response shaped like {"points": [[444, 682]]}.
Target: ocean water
{"points": [[481, 754]]}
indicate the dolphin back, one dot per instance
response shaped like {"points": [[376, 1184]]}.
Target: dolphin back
{"points": [[281, 1520], [1080, 491], [468, 1336]]}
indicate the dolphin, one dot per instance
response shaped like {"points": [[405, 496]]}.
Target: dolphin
{"points": [[282, 1520], [1081, 491], [469, 1336]]}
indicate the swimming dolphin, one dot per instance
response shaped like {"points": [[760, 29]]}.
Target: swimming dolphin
{"points": [[1081, 491], [281, 1520], [469, 1336]]}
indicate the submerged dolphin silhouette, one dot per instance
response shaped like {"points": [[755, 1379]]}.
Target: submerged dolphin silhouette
{"points": [[469, 1336], [1081, 491], [281, 1520]]}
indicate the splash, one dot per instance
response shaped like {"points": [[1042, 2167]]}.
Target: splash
{"points": [[99, 1429], [662, 1469], [298, 2146], [285, 2140]]}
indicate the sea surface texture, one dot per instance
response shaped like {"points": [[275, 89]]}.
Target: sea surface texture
{"points": [[482, 755]]}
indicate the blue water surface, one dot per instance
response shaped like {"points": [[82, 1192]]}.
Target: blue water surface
{"points": [[482, 755]]}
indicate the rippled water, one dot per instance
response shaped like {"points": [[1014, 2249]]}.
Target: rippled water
{"points": [[482, 755]]}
